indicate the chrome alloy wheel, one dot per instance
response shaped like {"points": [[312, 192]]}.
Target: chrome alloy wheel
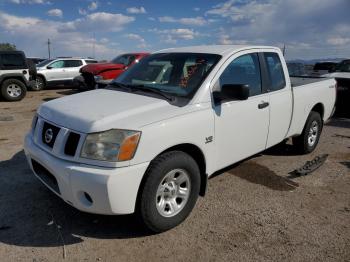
{"points": [[14, 90], [313, 133], [173, 193], [39, 84]]}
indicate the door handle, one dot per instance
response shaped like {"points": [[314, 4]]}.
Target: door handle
{"points": [[263, 105]]}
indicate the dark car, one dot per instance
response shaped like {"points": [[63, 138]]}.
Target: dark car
{"points": [[322, 68]]}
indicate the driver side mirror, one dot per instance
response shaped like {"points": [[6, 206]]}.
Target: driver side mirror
{"points": [[49, 67], [230, 92]]}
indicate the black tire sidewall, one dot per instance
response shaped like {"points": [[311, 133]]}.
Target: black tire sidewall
{"points": [[8, 82], [314, 116], [155, 174]]}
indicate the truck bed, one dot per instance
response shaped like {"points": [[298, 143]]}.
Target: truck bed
{"points": [[308, 92], [304, 80]]}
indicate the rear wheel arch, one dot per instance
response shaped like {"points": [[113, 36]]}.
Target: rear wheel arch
{"points": [[318, 108], [17, 77]]}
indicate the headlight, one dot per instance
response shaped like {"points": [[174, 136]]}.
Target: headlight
{"points": [[34, 122], [112, 145]]}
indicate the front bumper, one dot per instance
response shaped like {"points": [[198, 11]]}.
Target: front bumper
{"points": [[112, 190]]}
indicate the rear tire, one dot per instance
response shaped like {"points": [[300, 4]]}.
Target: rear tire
{"points": [[308, 140], [39, 84], [170, 191], [13, 90]]}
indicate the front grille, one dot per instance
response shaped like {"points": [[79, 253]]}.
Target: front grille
{"points": [[71, 144], [46, 176], [49, 134]]}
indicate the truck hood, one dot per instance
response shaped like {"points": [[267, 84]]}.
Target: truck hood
{"points": [[100, 67], [104, 109]]}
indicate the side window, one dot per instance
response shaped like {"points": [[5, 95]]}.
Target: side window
{"points": [[275, 71], [244, 70], [12, 60], [131, 59], [57, 64], [73, 63]]}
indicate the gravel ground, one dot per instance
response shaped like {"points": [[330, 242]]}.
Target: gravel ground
{"points": [[254, 210]]}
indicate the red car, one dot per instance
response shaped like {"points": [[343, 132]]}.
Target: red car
{"points": [[101, 74]]}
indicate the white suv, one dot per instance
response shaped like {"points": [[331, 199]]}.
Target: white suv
{"points": [[59, 71]]}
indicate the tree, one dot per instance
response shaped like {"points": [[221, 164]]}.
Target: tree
{"points": [[7, 47]]}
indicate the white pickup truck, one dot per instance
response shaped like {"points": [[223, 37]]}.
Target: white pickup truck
{"points": [[150, 140]]}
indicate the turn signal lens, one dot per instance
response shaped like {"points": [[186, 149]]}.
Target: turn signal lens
{"points": [[128, 147]]}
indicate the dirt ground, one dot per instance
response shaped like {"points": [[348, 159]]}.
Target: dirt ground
{"points": [[255, 210]]}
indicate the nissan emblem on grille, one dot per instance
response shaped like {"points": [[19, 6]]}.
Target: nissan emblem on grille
{"points": [[48, 135]]}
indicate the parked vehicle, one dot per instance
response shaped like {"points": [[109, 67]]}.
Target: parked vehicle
{"points": [[36, 60], [101, 74], [322, 68], [342, 76], [149, 141], [296, 69], [14, 75], [59, 71]]}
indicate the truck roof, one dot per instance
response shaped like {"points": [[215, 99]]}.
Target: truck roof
{"points": [[213, 49]]}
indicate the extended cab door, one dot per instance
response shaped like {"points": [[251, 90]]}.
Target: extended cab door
{"points": [[280, 96], [241, 126]]}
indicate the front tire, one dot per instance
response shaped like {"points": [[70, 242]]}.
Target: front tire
{"points": [[13, 90], [170, 191], [308, 140], [39, 84]]}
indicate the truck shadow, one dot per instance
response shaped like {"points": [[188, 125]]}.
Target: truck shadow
{"points": [[31, 216], [258, 174]]}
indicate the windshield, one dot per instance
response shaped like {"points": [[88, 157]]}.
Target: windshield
{"points": [[344, 66], [44, 63], [179, 74], [123, 59]]}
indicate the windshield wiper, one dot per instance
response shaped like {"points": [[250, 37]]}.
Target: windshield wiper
{"points": [[133, 88], [151, 90]]}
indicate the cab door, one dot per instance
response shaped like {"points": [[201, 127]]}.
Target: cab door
{"points": [[280, 95], [241, 126]]}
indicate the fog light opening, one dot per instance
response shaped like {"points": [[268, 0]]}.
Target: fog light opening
{"points": [[88, 198]]}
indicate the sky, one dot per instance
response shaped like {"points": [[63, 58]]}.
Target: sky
{"points": [[105, 28]]}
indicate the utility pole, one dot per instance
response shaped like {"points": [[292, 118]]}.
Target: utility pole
{"points": [[48, 47], [284, 49], [93, 46]]}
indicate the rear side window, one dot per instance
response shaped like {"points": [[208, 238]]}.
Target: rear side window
{"points": [[12, 60], [73, 63], [244, 70], [275, 71]]}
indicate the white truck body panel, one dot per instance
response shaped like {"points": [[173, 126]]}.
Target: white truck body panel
{"points": [[235, 129]]}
